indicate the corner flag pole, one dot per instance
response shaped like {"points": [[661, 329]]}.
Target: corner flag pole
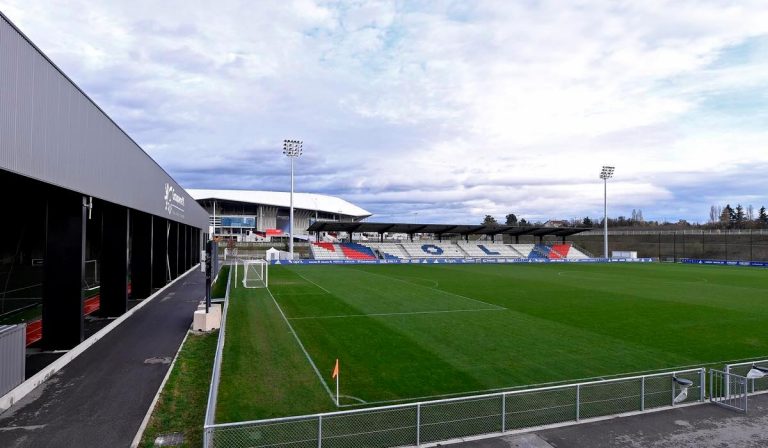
{"points": [[335, 374]]}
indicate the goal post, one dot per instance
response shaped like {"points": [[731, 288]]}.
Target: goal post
{"points": [[255, 274]]}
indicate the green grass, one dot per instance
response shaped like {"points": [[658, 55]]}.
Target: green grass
{"points": [[219, 288], [414, 331], [181, 407]]}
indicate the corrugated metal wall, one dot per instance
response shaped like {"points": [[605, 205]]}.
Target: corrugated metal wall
{"points": [[51, 131], [12, 353]]}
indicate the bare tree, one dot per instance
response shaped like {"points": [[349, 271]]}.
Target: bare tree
{"points": [[714, 214], [750, 213]]}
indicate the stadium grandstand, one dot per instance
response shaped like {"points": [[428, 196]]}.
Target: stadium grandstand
{"points": [[385, 241], [253, 216]]}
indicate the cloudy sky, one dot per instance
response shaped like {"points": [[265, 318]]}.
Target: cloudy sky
{"points": [[435, 110]]}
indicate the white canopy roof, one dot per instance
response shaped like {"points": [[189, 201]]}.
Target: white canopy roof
{"points": [[305, 201]]}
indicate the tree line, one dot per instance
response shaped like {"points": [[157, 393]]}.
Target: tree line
{"points": [[738, 218], [727, 217], [622, 221]]}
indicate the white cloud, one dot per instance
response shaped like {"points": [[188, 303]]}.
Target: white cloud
{"points": [[454, 109]]}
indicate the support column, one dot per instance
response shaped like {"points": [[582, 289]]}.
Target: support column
{"points": [[187, 249], [141, 255], [64, 271], [114, 261], [159, 251], [173, 249]]}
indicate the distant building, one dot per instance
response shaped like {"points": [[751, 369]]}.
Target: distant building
{"points": [[248, 215], [554, 223]]}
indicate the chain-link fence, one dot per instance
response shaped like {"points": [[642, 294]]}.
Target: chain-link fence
{"points": [[754, 385], [415, 424]]}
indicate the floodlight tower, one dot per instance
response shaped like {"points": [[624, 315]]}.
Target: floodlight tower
{"points": [[605, 174], [292, 149]]}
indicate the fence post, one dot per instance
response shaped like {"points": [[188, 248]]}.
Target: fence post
{"points": [[642, 394], [319, 431], [702, 383], [727, 376], [674, 374], [418, 424], [578, 400], [746, 399], [503, 412]]}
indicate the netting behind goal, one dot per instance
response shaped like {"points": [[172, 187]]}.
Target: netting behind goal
{"points": [[255, 274]]}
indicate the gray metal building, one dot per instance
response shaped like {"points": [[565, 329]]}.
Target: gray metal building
{"points": [[76, 187]]}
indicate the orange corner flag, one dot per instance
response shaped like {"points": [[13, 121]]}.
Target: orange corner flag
{"points": [[335, 369]]}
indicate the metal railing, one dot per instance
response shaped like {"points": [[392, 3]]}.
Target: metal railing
{"points": [[728, 390], [213, 391], [415, 424], [678, 232], [754, 385]]}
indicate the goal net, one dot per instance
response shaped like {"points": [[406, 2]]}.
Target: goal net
{"points": [[255, 273]]}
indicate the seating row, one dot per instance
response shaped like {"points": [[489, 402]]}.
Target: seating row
{"points": [[441, 249]]}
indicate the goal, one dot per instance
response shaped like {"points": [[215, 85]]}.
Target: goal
{"points": [[255, 273]]}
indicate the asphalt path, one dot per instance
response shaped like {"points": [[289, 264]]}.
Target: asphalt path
{"points": [[702, 426], [101, 397]]}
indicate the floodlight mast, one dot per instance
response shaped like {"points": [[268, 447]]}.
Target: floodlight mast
{"points": [[292, 149], [605, 174]]}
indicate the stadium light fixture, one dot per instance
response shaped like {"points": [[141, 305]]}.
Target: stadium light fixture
{"points": [[605, 174], [684, 384], [292, 149], [757, 372]]}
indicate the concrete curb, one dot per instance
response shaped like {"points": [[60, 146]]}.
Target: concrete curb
{"points": [[8, 400]]}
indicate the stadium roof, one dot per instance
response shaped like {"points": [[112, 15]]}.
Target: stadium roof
{"points": [[305, 201], [377, 227]]}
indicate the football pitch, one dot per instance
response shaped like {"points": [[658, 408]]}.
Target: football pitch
{"points": [[407, 332]]}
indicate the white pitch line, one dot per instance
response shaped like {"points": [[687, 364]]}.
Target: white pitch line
{"points": [[298, 341], [310, 281], [394, 314], [435, 289]]}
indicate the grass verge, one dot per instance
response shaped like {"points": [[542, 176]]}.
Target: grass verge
{"points": [[219, 289], [181, 407]]}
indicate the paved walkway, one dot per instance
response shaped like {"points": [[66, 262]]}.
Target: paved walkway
{"points": [[101, 397], [703, 426]]}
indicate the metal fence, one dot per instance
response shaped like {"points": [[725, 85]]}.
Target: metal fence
{"points": [[754, 385], [213, 391], [728, 390], [427, 422], [12, 356]]}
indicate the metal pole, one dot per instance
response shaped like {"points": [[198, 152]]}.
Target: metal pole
{"points": [[319, 431], [605, 216], [418, 424], [642, 394], [674, 246], [290, 224], [503, 412], [673, 388], [702, 379], [578, 399]]}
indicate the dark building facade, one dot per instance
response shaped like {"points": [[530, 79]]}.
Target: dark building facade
{"points": [[90, 221]]}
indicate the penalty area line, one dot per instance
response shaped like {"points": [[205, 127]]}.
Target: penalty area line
{"points": [[433, 289], [410, 313], [310, 281], [306, 354]]}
